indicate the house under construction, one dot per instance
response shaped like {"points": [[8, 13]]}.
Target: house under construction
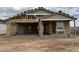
{"points": [[39, 21]]}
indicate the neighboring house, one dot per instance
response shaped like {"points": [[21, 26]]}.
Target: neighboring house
{"points": [[1, 21], [39, 21]]}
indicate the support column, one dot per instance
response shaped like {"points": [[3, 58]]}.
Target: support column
{"points": [[40, 25], [56, 29], [14, 28], [74, 28], [9, 29], [50, 28], [69, 30]]}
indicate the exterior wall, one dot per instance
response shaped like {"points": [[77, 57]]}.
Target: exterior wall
{"points": [[11, 28], [14, 28], [8, 28], [67, 27]]}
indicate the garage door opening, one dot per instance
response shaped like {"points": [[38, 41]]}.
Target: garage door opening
{"points": [[27, 28]]}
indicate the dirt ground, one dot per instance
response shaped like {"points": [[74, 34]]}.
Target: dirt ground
{"points": [[37, 44]]}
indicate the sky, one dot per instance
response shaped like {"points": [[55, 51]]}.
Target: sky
{"points": [[6, 12]]}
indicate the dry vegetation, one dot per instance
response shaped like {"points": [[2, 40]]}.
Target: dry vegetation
{"points": [[34, 43]]}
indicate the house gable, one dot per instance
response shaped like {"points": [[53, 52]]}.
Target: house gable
{"points": [[39, 12], [57, 17]]}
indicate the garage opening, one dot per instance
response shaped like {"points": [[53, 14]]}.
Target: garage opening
{"points": [[27, 28]]}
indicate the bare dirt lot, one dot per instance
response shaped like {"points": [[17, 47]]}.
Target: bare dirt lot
{"points": [[35, 43]]}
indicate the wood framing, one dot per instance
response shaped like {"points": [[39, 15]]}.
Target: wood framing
{"points": [[38, 21]]}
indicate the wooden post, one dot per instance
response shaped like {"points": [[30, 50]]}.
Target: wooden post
{"points": [[9, 29], [74, 28], [69, 30], [40, 25], [56, 29], [50, 28]]}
